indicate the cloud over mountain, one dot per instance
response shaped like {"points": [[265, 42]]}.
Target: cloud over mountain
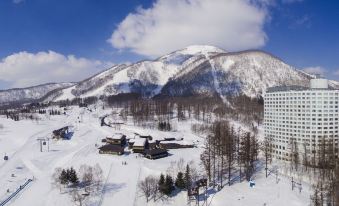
{"points": [[26, 69], [172, 24], [315, 70]]}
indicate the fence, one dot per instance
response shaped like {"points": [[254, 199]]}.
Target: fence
{"points": [[15, 193]]}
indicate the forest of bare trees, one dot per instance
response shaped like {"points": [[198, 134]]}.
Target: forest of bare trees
{"points": [[229, 152]]}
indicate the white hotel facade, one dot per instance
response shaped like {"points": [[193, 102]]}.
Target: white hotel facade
{"points": [[304, 114]]}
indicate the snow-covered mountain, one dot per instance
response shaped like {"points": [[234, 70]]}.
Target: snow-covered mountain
{"points": [[144, 77], [195, 70], [29, 93], [248, 72]]}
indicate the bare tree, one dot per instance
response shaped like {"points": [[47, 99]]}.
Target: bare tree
{"points": [[305, 159], [149, 187], [206, 157], [77, 197], [194, 171], [171, 170], [295, 161], [267, 150], [181, 166], [248, 154], [56, 178], [87, 176], [97, 176]]}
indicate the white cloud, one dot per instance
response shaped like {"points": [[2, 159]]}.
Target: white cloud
{"points": [[173, 24], [26, 69], [303, 20], [18, 1], [315, 70]]}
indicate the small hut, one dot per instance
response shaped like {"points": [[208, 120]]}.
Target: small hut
{"points": [[63, 133]]}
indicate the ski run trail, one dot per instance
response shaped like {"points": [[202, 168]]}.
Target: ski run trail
{"points": [[216, 82]]}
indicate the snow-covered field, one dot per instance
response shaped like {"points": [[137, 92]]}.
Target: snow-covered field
{"points": [[19, 141]]}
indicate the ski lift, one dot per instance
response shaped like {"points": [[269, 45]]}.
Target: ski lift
{"points": [[44, 143]]}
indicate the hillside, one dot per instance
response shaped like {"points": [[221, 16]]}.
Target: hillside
{"points": [[29, 93], [145, 77], [248, 72], [195, 70]]}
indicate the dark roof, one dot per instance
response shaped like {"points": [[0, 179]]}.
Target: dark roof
{"points": [[155, 151], [169, 139], [152, 145], [145, 136], [59, 131], [292, 88], [172, 145], [286, 88], [109, 147]]}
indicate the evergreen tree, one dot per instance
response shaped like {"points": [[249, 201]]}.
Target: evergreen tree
{"points": [[167, 126], [180, 182], [72, 176], [188, 179], [63, 177], [168, 187], [161, 183]]}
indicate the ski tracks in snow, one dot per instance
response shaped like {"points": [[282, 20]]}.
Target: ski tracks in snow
{"points": [[216, 82]]}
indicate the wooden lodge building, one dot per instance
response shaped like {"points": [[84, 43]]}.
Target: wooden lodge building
{"points": [[111, 149], [140, 145], [117, 139], [155, 153]]}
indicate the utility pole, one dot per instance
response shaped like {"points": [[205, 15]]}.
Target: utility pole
{"points": [[40, 142], [41, 139], [47, 144]]}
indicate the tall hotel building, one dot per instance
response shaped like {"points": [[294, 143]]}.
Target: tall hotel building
{"points": [[307, 115]]}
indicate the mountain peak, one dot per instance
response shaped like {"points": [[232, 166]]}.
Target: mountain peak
{"points": [[195, 49]]}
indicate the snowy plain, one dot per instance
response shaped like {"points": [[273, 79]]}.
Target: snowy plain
{"points": [[18, 140]]}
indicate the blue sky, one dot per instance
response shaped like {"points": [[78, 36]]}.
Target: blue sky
{"points": [[67, 40]]}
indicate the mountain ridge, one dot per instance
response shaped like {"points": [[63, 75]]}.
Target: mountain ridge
{"points": [[194, 70], [29, 94]]}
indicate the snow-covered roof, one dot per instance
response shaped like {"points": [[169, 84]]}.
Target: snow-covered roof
{"points": [[139, 142], [117, 136]]}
